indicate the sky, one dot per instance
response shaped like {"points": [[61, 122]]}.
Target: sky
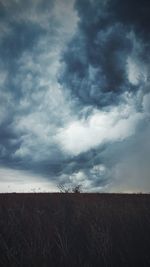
{"points": [[75, 95]]}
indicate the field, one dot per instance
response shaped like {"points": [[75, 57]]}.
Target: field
{"points": [[74, 229]]}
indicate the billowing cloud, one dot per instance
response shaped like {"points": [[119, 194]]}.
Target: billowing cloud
{"points": [[103, 59], [32, 101], [99, 128], [75, 93]]}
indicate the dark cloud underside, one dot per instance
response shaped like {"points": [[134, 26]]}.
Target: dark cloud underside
{"points": [[96, 58]]}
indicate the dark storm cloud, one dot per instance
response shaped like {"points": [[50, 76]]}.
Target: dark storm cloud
{"points": [[22, 25], [21, 29], [6, 137], [134, 14], [95, 73], [95, 70], [60, 82], [30, 40]]}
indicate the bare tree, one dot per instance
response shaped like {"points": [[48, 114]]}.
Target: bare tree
{"points": [[76, 189], [69, 189]]}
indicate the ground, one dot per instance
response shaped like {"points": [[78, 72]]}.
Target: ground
{"points": [[74, 229]]}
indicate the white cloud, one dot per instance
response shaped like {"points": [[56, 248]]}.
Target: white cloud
{"points": [[98, 170], [136, 71], [99, 128]]}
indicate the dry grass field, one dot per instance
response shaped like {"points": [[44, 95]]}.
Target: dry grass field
{"points": [[74, 229]]}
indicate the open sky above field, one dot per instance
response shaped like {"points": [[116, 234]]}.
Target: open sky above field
{"points": [[75, 94]]}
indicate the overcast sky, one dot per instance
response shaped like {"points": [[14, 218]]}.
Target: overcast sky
{"points": [[75, 95]]}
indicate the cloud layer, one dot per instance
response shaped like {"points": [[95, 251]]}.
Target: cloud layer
{"points": [[74, 92]]}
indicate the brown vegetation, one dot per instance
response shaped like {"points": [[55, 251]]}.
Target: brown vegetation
{"points": [[74, 230]]}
